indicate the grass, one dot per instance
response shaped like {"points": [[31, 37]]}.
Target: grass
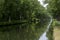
{"points": [[56, 33], [56, 30]]}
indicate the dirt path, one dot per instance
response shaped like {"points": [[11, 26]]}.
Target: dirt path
{"points": [[56, 33]]}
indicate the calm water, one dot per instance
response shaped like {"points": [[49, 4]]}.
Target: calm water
{"points": [[43, 37]]}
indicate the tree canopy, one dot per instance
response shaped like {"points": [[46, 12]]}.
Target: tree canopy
{"points": [[54, 8]]}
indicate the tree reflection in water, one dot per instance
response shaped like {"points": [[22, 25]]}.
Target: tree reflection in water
{"points": [[27, 31]]}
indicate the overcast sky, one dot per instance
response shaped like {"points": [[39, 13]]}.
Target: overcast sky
{"points": [[41, 2]]}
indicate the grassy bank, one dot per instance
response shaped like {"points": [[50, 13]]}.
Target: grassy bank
{"points": [[56, 33]]}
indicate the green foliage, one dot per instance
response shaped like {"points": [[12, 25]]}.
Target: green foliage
{"points": [[57, 23], [29, 10], [29, 14], [54, 8]]}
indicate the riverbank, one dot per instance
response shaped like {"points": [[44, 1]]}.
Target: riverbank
{"points": [[56, 33]]}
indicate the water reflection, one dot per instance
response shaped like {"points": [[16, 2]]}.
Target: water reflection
{"points": [[27, 31], [43, 37]]}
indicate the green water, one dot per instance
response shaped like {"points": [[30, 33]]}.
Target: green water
{"points": [[27, 31]]}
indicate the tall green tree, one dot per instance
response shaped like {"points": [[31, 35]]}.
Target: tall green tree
{"points": [[54, 8]]}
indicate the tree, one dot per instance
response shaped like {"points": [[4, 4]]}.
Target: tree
{"points": [[20, 10], [54, 8]]}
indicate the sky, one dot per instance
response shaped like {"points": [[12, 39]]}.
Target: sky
{"points": [[41, 2]]}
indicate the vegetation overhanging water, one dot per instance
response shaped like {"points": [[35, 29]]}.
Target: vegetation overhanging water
{"points": [[43, 36]]}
